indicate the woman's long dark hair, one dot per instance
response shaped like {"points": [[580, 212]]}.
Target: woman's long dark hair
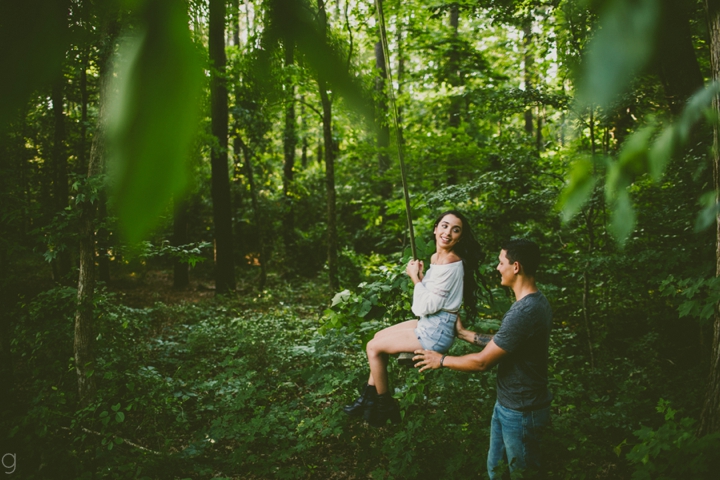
{"points": [[472, 254]]}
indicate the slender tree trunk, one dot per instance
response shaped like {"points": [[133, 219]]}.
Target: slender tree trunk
{"points": [[7, 380], [289, 145], [236, 20], [60, 177], [304, 134], [529, 62], [710, 415], [320, 154], [400, 79], [247, 157], [589, 225], [222, 208], [330, 189], [82, 155], [84, 339], [329, 148], [181, 270], [455, 79], [103, 238], [381, 115], [538, 135]]}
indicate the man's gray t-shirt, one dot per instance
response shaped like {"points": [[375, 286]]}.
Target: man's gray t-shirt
{"points": [[522, 373]]}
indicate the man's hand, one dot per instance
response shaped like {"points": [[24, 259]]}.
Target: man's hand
{"points": [[427, 360], [459, 329]]}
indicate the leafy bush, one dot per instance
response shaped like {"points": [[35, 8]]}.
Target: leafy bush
{"points": [[674, 450]]}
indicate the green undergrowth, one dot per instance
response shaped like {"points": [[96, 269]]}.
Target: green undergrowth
{"points": [[253, 387]]}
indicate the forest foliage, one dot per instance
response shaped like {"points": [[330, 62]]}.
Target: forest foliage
{"points": [[585, 126]]}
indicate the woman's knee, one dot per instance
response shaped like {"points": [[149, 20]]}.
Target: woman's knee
{"points": [[373, 348], [369, 348]]}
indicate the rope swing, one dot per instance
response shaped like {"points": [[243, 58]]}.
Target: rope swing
{"points": [[398, 138]]}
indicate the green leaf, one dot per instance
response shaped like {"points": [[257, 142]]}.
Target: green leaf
{"points": [[621, 47], [708, 215], [579, 188], [340, 297], [365, 308], [152, 117], [623, 217], [660, 152], [119, 417], [633, 156], [696, 106]]}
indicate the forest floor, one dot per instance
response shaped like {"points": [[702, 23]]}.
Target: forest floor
{"points": [[251, 386], [156, 285]]}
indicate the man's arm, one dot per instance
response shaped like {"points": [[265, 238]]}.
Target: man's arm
{"points": [[474, 362], [479, 339]]}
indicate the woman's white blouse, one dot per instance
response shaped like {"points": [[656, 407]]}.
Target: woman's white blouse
{"points": [[440, 289]]}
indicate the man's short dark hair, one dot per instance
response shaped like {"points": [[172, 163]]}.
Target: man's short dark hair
{"points": [[525, 252]]}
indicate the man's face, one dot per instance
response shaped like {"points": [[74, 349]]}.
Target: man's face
{"points": [[507, 270]]}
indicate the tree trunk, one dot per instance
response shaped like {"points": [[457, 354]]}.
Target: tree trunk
{"points": [[181, 270], [381, 115], [589, 216], [82, 155], [710, 415], [235, 22], [529, 61], [304, 130], [222, 208], [319, 153], [455, 79], [103, 238], [329, 149], [84, 339], [400, 76], [60, 177], [289, 145], [676, 60], [6, 364], [247, 157]]}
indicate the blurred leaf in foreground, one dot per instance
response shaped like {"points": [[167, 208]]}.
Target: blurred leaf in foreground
{"points": [[153, 114], [578, 189], [622, 46]]}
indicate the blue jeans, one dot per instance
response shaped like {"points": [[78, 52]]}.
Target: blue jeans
{"points": [[437, 331], [515, 438]]}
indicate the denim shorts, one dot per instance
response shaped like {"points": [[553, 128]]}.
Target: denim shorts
{"points": [[437, 331]]}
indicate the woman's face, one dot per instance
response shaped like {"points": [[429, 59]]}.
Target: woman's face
{"points": [[448, 231]]}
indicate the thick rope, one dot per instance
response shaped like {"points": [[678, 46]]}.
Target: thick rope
{"points": [[393, 106]]}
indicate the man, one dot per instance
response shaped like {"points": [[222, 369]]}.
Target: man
{"points": [[520, 348]]}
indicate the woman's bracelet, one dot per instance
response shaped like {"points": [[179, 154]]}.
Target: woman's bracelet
{"points": [[442, 359]]}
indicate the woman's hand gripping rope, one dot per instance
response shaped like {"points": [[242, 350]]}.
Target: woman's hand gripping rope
{"points": [[414, 270]]}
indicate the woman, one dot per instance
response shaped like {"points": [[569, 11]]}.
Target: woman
{"points": [[450, 280]]}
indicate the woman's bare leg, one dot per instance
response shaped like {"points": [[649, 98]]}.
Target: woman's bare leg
{"points": [[378, 349], [407, 325]]}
